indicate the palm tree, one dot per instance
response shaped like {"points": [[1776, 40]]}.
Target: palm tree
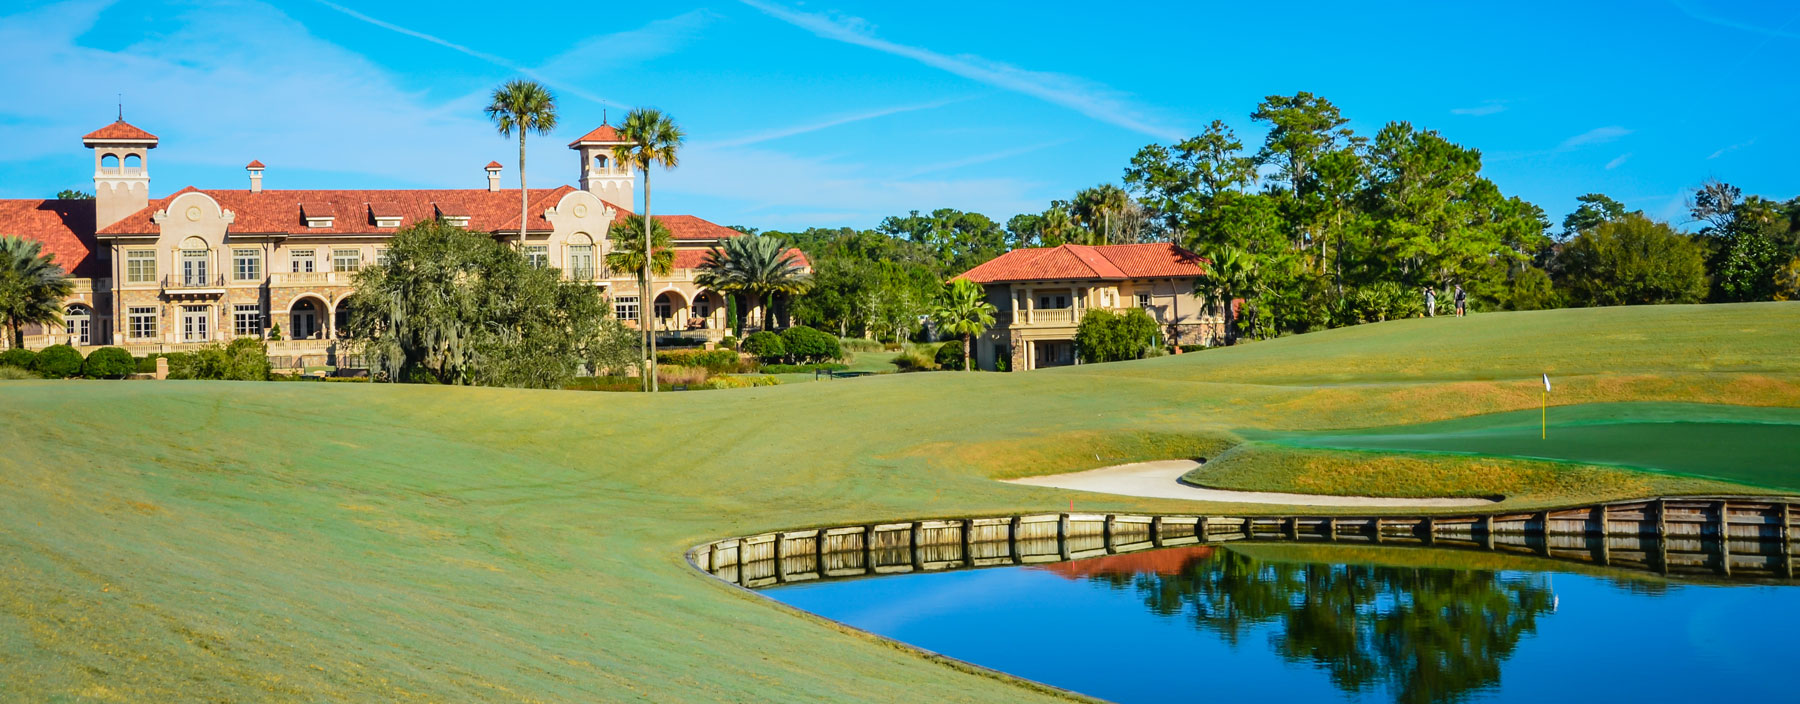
{"points": [[1054, 226], [627, 254], [654, 140], [966, 312], [757, 266], [522, 106], [32, 287], [1096, 209], [1229, 272]]}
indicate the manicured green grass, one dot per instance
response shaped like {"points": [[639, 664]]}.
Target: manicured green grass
{"points": [[183, 541]]}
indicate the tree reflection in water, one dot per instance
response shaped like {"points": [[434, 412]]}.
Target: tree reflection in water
{"points": [[1426, 634]]}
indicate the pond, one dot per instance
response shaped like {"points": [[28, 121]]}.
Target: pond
{"points": [[1275, 621]]}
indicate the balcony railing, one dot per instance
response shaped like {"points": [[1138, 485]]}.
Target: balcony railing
{"points": [[193, 284], [310, 278]]}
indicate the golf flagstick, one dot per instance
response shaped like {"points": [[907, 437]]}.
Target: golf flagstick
{"points": [[1544, 411]]}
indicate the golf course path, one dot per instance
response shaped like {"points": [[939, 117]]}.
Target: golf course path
{"points": [[1162, 480]]}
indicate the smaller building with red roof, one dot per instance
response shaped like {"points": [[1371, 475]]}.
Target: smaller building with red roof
{"points": [[1042, 293]]}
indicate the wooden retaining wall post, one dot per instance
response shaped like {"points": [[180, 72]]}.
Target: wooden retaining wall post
{"points": [[780, 575], [868, 549], [1106, 531], [1062, 535], [1376, 529], [1787, 538], [1430, 530], [1012, 539], [1331, 528], [1200, 529], [1725, 538], [1487, 531], [968, 542], [1156, 531]]}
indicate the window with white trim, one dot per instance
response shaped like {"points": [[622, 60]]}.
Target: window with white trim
{"points": [[141, 324], [344, 260], [246, 320], [301, 260], [626, 307], [538, 255], [381, 256], [140, 266], [1143, 300], [246, 264]]}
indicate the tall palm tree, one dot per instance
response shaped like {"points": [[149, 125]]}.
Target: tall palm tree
{"points": [[1100, 211], [627, 254], [32, 287], [966, 312], [757, 266], [1054, 226], [522, 106], [654, 141]]}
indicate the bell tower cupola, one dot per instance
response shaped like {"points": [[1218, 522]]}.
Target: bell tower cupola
{"points": [[601, 174], [121, 170]]}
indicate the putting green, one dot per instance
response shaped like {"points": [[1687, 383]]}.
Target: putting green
{"points": [[1759, 446]]}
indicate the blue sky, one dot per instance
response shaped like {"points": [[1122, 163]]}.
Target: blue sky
{"points": [[838, 113]]}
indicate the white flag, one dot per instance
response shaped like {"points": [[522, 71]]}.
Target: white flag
{"points": [[1546, 383]]}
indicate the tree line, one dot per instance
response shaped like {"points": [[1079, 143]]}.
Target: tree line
{"points": [[1320, 226]]}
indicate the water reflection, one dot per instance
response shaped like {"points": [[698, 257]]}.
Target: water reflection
{"points": [[1425, 634]]}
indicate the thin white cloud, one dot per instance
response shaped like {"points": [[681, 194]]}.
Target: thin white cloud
{"points": [[1691, 11], [1729, 148], [981, 158], [1081, 95], [1598, 135], [829, 123], [1618, 161], [1482, 110]]}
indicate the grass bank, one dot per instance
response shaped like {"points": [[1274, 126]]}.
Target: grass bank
{"points": [[234, 541]]}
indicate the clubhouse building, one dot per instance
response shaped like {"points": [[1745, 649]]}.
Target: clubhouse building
{"points": [[199, 266], [1041, 294]]}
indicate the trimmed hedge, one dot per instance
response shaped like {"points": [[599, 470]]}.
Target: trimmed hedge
{"points": [[59, 362], [108, 363], [715, 361], [765, 345], [19, 357], [806, 345], [802, 368]]}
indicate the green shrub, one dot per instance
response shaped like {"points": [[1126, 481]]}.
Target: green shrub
{"points": [[802, 368], [244, 359], [949, 355], [765, 345], [729, 343], [805, 344], [715, 361], [1194, 348], [604, 383], [108, 363], [738, 382], [675, 375], [1103, 336], [59, 362], [10, 373], [20, 358], [914, 360]]}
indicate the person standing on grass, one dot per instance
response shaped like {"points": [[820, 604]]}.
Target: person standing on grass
{"points": [[1461, 300], [1430, 303]]}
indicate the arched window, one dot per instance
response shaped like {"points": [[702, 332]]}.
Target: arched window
{"points": [[133, 162], [195, 257], [581, 257], [109, 162], [600, 161]]}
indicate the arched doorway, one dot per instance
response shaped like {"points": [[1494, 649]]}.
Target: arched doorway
{"points": [[306, 319], [670, 311], [708, 311], [340, 319], [78, 323]]}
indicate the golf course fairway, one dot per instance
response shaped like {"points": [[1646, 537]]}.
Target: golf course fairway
{"points": [[308, 542]]}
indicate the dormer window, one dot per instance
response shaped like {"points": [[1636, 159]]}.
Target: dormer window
{"points": [[384, 215], [317, 214], [451, 216]]}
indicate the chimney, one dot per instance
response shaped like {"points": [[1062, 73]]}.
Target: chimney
{"points": [[255, 168], [493, 169]]}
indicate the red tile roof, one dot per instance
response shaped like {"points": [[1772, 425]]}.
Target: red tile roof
{"points": [[254, 164], [120, 130], [688, 227], [282, 211], [493, 165], [603, 133], [65, 227], [1084, 262]]}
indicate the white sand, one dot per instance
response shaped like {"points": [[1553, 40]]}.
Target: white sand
{"points": [[1161, 480]]}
